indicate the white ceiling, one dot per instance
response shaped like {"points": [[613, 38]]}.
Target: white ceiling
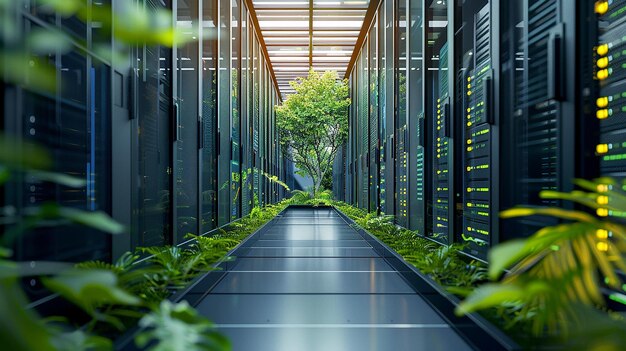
{"points": [[287, 33]]}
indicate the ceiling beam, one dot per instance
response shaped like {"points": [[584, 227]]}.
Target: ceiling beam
{"points": [[259, 34], [367, 23]]}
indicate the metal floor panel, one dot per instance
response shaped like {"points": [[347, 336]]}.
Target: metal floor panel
{"points": [[310, 221], [312, 283], [311, 264], [307, 235], [337, 338], [311, 243], [318, 309], [311, 252]]}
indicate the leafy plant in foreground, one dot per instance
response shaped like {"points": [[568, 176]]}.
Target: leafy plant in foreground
{"points": [[178, 327], [563, 267]]}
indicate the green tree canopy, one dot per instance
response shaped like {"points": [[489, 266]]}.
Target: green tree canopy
{"points": [[313, 123]]}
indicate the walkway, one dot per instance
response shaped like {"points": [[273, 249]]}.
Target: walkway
{"points": [[310, 282]]}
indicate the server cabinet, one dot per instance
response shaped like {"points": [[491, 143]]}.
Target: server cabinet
{"points": [[537, 116], [389, 109], [401, 117], [475, 118], [186, 88], [415, 126], [374, 144], [153, 135], [439, 122]]}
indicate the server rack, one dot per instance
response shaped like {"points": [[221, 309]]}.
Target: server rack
{"points": [[498, 113]]}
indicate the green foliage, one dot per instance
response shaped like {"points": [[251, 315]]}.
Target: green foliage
{"points": [[78, 340], [560, 267], [179, 327], [443, 264], [313, 123], [129, 24]]}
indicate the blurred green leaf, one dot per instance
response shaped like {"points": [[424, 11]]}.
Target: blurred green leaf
{"points": [[5, 253], [179, 327], [94, 219], [548, 211], [59, 178], [64, 7], [21, 68], [44, 41], [22, 155], [78, 340], [89, 289], [20, 328], [5, 175], [493, 294], [504, 255]]}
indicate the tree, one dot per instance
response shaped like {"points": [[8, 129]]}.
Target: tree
{"points": [[313, 123]]}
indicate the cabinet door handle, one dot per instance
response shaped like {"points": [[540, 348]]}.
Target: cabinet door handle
{"points": [[555, 67], [446, 120], [488, 100]]}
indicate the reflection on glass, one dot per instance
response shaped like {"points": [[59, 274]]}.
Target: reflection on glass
{"points": [[186, 171], [437, 58], [152, 217], [373, 118], [416, 118], [224, 118], [401, 118], [209, 118], [235, 159]]}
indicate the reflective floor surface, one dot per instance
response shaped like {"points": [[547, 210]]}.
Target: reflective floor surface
{"points": [[311, 282]]}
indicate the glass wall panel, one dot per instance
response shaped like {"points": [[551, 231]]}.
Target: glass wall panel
{"points": [[439, 118], [473, 74], [246, 77], [152, 215], [255, 122], [390, 87], [373, 117], [417, 137], [186, 109], [225, 109], [382, 107], [401, 117], [209, 117], [235, 158]]}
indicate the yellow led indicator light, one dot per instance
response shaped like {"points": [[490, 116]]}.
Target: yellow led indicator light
{"points": [[469, 124], [469, 109], [469, 168], [602, 233], [602, 200], [603, 62], [601, 7], [602, 148], [603, 74], [602, 246], [602, 102], [603, 49], [602, 114], [469, 86], [469, 93], [602, 212], [602, 188], [469, 141]]}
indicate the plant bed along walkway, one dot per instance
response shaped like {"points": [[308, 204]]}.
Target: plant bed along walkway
{"points": [[310, 280]]}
